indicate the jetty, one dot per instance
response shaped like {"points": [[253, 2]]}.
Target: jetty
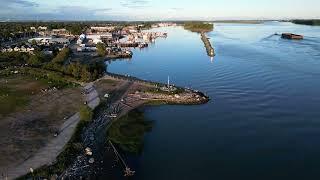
{"points": [[207, 44], [127, 93]]}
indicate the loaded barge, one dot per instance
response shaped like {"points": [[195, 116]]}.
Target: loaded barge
{"points": [[291, 36]]}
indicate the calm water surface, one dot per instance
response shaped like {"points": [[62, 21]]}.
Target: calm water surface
{"points": [[264, 118]]}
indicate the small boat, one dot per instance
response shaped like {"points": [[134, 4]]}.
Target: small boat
{"points": [[291, 36]]}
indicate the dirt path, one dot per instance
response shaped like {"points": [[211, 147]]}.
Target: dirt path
{"points": [[48, 154]]}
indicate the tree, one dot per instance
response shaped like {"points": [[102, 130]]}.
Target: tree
{"points": [[62, 56], [85, 74], [34, 60], [101, 49], [34, 42]]}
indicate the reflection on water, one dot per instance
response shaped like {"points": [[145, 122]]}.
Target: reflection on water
{"points": [[128, 132], [263, 121]]}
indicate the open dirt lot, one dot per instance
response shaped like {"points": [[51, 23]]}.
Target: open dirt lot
{"points": [[32, 116]]}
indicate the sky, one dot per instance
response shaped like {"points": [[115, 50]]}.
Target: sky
{"points": [[158, 9]]}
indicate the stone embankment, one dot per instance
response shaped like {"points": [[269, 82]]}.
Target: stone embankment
{"points": [[128, 98], [207, 44]]}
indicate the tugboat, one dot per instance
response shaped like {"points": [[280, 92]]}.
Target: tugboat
{"points": [[291, 36]]}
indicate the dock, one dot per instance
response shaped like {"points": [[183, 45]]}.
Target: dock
{"points": [[207, 44]]}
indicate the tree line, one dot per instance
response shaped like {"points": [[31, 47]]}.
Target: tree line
{"points": [[198, 26], [310, 22], [59, 63]]}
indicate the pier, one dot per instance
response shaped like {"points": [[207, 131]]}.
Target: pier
{"points": [[207, 44]]}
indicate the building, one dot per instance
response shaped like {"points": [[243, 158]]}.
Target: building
{"points": [[102, 29], [16, 49], [61, 32], [59, 41], [98, 38], [42, 28], [24, 48], [50, 40]]}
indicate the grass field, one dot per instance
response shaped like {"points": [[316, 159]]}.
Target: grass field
{"points": [[15, 93], [31, 111]]}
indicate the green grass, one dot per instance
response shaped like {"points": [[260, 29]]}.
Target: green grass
{"points": [[109, 82], [11, 100], [16, 93], [86, 113], [128, 132]]}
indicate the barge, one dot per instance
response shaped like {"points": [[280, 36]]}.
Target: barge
{"points": [[291, 36]]}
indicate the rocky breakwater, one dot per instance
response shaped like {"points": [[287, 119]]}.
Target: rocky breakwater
{"points": [[185, 97], [207, 44]]}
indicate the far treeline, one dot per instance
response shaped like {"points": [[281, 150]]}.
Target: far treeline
{"points": [[311, 22], [198, 26], [57, 68]]}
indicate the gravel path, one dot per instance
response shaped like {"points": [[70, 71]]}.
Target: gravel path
{"points": [[48, 154]]}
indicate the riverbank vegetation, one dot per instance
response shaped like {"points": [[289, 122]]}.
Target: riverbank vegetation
{"points": [[311, 22], [198, 27], [52, 67], [128, 132], [101, 49], [86, 113]]}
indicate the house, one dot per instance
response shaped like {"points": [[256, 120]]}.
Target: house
{"points": [[9, 49], [42, 28], [98, 38], [30, 49], [17, 49], [60, 32], [59, 41], [102, 29], [23, 49], [39, 40]]}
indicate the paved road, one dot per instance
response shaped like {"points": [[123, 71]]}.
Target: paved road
{"points": [[48, 154]]}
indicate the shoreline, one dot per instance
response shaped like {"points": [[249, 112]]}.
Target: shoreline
{"points": [[94, 135]]}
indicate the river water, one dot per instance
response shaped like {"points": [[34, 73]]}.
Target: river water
{"points": [[263, 121]]}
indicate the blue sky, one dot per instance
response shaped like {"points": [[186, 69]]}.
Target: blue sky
{"points": [[157, 9]]}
